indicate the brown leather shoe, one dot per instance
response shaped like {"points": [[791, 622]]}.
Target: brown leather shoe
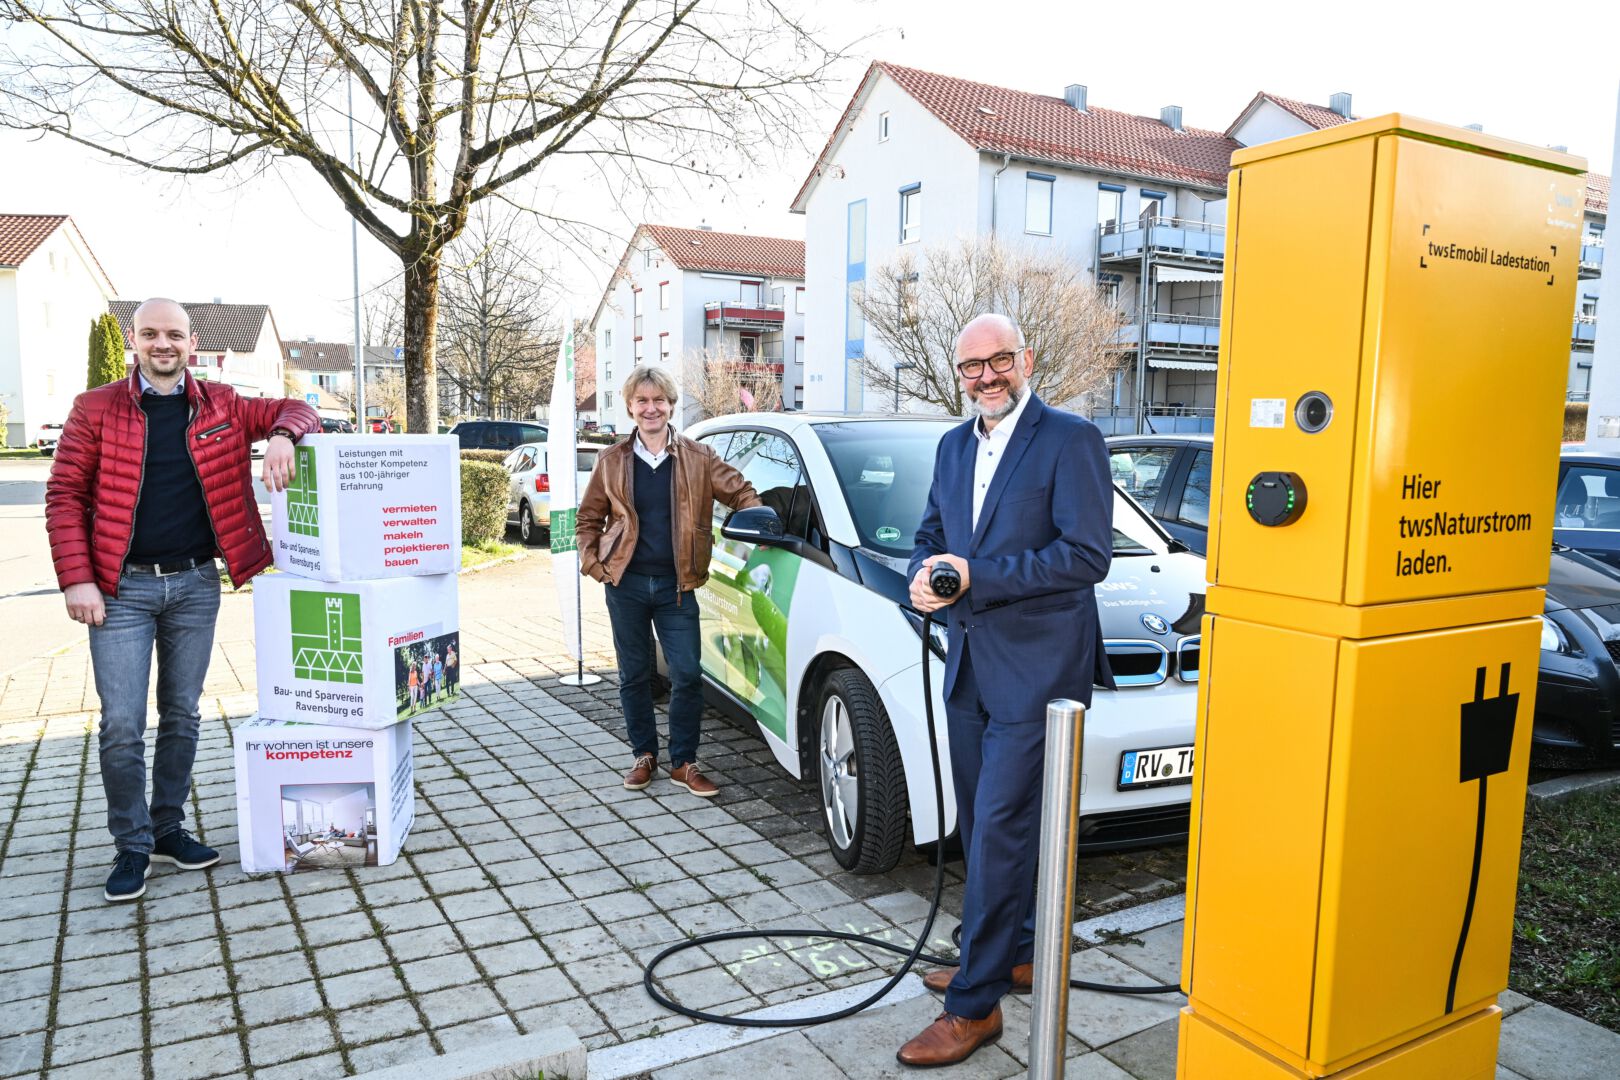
{"points": [[688, 777], [1023, 979], [641, 775], [950, 1039]]}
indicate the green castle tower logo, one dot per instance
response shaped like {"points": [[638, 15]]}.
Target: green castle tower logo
{"points": [[326, 636], [303, 510]]}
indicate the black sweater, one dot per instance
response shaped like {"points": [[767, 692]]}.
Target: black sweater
{"points": [[171, 519]]}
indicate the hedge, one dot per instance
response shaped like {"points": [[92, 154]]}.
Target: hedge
{"points": [[1575, 421], [496, 456], [483, 502]]}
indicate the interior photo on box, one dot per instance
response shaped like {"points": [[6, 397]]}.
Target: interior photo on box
{"points": [[427, 673], [329, 825]]}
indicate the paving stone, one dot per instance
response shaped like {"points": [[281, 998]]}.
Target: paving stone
{"points": [[1092, 1066], [362, 988], [22, 1053], [256, 916], [165, 991], [1155, 952], [438, 972], [380, 894], [197, 1019], [493, 930], [450, 882], [323, 904], [576, 1015], [532, 988], [537, 894], [1097, 1019], [309, 1068], [1147, 1055], [275, 1043], [356, 955], [785, 1055], [390, 1020], [100, 971], [197, 1059], [477, 1033], [419, 944], [706, 988], [412, 916], [100, 1068], [82, 1042], [277, 969], [464, 907], [679, 894], [390, 1051], [459, 1004], [863, 1046], [260, 943], [278, 1003], [1542, 1041]]}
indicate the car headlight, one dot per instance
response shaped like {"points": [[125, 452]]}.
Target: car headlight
{"points": [[1553, 638], [938, 638]]}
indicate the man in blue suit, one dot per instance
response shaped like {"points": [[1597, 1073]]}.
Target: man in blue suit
{"points": [[1022, 507]]}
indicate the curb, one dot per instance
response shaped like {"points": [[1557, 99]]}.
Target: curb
{"points": [[1561, 788], [521, 553], [554, 1053]]}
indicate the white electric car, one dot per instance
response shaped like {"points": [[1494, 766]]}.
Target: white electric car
{"points": [[813, 639]]}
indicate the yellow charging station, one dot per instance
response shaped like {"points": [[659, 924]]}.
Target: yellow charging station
{"points": [[1390, 402]]}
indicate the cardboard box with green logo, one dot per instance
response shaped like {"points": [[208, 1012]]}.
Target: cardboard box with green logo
{"points": [[370, 506]]}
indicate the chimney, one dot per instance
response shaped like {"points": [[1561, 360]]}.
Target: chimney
{"points": [[217, 300], [1474, 127], [1559, 149], [1170, 116], [1074, 95], [705, 228], [1340, 103]]}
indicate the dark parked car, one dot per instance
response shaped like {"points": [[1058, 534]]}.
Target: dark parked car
{"points": [[498, 434], [1578, 691], [1588, 504], [333, 426]]}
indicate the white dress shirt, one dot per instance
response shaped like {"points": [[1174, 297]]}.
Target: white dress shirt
{"points": [[148, 388], [992, 448], [653, 460]]}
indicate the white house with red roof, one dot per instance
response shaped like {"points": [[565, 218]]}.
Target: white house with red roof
{"points": [[922, 159], [51, 288], [677, 292]]}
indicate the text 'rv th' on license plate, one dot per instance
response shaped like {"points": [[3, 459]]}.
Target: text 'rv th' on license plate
{"points": [[1150, 768]]}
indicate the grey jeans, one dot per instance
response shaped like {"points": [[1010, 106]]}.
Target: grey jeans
{"points": [[177, 614]]}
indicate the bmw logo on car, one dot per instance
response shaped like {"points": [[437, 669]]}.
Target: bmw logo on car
{"points": [[1155, 623]]}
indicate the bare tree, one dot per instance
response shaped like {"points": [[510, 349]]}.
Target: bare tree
{"points": [[455, 104], [717, 382], [498, 318], [915, 306]]}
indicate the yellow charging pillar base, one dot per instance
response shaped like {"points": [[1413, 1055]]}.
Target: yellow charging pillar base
{"points": [[1390, 403]]}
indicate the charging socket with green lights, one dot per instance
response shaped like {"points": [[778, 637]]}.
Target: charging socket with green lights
{"points": [[1276, 498]]}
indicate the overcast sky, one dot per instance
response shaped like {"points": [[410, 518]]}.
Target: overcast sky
{"points": [[1548, 76]]}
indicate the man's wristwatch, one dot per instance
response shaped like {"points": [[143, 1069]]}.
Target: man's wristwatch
{"points": [[283, 432]]}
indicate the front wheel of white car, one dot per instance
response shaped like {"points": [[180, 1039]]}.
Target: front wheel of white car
{"points": [[529, 530], [863, 780]]}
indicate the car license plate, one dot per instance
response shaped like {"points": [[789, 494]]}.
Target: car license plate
{"points": [[1155, 768]]}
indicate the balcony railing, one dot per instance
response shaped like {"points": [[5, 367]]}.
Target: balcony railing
{"points": [[1169, 333], [744, 316], [1591, 256], [1194, 241], [1585, 332], [1161, 419]]}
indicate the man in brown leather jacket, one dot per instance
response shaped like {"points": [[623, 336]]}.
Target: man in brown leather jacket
{"points": [[643, 531]]}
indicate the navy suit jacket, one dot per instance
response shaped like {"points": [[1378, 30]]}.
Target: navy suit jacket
{"points": [[1045, 538]]}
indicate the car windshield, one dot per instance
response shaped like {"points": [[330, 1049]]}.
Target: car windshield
{"points": [[886, 467]]}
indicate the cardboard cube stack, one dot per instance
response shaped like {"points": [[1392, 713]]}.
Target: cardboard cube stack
{"points": [[348, 638]]}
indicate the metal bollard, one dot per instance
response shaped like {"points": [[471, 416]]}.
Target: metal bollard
{"points": [[1054, 896]]}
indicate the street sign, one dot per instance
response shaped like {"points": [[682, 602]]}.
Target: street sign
{"points": [[313, 398], [399, 353]]}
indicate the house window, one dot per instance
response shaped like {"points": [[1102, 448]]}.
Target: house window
{"points": [[1038, 203], [607, 401], [636, 317], [798, 351], [748, 347], [663, 347], [1110, 205], [646, 258], [1589, 304], [911, 214], [663, 296], [607, 338], [1152, 206], [748, 293], [638, 350], [798, 301], [883, 127], [295, 353]]}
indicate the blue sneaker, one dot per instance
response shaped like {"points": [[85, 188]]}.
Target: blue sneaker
{"points": [[128, 878], [181, 849]]}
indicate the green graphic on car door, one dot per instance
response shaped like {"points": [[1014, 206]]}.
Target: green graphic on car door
{"points": [[745, 625]]}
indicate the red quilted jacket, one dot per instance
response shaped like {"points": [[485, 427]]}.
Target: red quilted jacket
{"points": [[96, 476]]}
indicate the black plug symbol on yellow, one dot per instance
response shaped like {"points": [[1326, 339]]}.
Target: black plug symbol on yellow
{"points": [[1486, 748]]}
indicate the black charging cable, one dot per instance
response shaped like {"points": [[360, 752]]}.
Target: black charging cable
{"points": [[945, 581]]}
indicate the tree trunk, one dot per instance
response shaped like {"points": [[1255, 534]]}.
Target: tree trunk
{"points": [[421, 339]]}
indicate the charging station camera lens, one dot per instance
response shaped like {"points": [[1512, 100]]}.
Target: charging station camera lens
{"points": [[1314, 412]]}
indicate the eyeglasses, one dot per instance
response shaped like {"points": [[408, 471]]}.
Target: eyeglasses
{"points": [[1001, 362]]}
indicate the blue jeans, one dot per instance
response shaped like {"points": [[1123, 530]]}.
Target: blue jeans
{"points": [[176, 613], [635, 606]]}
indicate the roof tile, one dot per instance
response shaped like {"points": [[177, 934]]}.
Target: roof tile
{"points": [[703, 249], [219, 327], [21, 235]]}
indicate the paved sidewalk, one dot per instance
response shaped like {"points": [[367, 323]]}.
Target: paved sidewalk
{"points": [[531, 892]]}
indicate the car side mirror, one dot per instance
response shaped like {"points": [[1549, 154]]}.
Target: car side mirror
{"points": [[753, 525]]}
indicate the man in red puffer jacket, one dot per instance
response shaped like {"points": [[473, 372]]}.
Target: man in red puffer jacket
{"points": [[151, 480]]}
